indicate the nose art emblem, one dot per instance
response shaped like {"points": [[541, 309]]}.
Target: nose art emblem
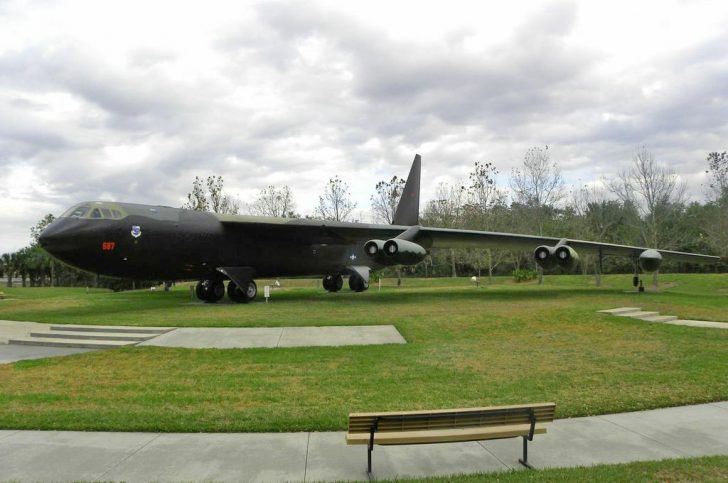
{"points": [[136, 231]]}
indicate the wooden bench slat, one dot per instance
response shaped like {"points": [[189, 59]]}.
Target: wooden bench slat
{"points": [[535, 407], [444, 435]]}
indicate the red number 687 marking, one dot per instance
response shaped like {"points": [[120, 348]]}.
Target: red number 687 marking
{"points": [[108, 245]]}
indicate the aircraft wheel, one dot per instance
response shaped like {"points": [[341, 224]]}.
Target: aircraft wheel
{"points": [[241, 296], [333, 283], [210, 291], [357, 284]]}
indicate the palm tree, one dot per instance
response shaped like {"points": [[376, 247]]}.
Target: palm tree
{"points": [[8, 268]]}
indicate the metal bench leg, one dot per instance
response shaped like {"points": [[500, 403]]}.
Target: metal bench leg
{"points": [[370, 448], [524, 460]]}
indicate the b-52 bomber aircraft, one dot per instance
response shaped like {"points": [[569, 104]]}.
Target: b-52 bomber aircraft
{"points": [[163, 243]]}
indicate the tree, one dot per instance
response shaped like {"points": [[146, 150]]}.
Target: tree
{"points": [[386, 199], [538, 185], [484, 210], [447, 210], [657, 193], [211, 199], [718, 171], [335, 203], [272, 201], [8, 267], [716, 223]]}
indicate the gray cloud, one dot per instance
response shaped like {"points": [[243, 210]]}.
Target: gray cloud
{"points": [[300, 93]]}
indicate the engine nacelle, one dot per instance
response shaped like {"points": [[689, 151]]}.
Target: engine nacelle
{"points": [[566, 257], [544, 256], [404, 252], [650, 260], [562, 255]]}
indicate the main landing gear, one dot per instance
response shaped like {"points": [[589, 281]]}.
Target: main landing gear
{"points": [[211, 291], [334, 282]]}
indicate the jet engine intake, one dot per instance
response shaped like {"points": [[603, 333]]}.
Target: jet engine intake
{"points": [[404, 252], [562, 255], [544, 256], [566, 257], [650, 260]]}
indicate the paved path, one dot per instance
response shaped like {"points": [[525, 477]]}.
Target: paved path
{"points": [[67, 455]]}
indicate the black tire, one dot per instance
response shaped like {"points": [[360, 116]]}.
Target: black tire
{"points": [[235, 294], [241, 296], [251, 292], [200, 291], [333, 282], [218, 291], [210, 291], [357, 284]]}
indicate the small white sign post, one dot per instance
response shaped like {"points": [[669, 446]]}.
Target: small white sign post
{"points": [[266, 292]]}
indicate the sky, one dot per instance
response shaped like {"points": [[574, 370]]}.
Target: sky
{"points": [[129, 101]]}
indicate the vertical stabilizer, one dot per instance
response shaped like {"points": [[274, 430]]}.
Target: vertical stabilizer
{"points": [[408, 209]]}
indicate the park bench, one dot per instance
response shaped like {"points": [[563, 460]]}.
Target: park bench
{"points": [[449, 425]]}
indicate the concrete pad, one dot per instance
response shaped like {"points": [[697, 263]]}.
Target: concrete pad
{"points": [[218, 338], [10, 329], [229, 338], [658, 318], [13, 353], [693, 430], [723, 405], [700, 323], [111, 328], [6, 433], [581, 442], [216, 457], [620, 310], [638, 314], [70, 343], [65, 455], [340, 336]]}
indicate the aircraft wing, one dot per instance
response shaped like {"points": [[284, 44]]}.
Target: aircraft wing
{"points": [[453, 238]]}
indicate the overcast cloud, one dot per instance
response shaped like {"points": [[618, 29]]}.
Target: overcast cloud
{"points": [[130, 101]]}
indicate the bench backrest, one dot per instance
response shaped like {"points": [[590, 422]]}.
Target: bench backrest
{"points": [[451, 418]]}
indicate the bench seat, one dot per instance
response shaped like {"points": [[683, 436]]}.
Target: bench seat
{"points": [[445, 435]]}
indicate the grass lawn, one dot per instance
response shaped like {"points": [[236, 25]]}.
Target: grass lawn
{"points": [[495, 344], [713, 468]]}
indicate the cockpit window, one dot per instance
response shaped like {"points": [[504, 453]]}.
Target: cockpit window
{"points": [[109, 211], [79, 212]]}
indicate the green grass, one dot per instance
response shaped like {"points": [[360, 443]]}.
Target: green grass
{"points": [[467, 346], [712, 468]]}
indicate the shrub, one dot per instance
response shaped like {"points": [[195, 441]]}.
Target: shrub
{"points": [[524, 275]]}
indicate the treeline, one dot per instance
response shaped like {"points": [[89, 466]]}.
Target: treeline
{"points": [[645, 205]]}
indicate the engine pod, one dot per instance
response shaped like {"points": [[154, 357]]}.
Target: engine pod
{"points": [[544, 256], [404, 252], [650, 260], [566, 257]]}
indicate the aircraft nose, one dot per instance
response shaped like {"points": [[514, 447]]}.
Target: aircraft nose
{"points": [[57, 237]]}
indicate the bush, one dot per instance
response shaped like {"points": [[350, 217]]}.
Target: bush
{"points": [[524, 275]]}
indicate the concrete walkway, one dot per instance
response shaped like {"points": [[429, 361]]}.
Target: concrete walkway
{"points": [[49, 340], [68, 455]]}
